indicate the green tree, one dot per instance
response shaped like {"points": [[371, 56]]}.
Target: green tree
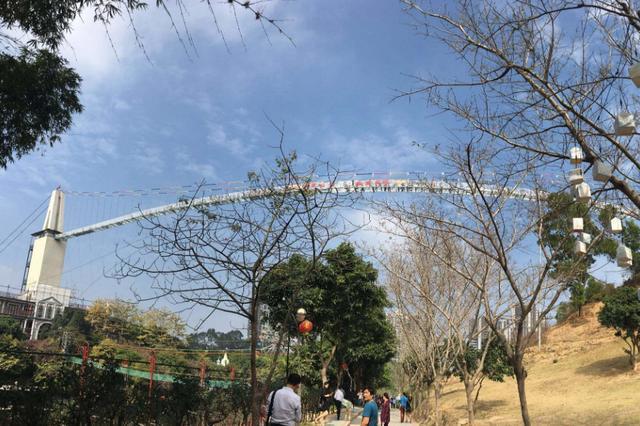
{"points": [[563, 311], [569, 266], [495, 367], [161, 327], [15, 364], [621, 312], [10, 327], [212, 340], [125, 322], [574, 268], [70, 329], [346, 306], [597, 290], [38, 98]]}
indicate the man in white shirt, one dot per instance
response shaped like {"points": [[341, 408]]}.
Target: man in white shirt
{"points": [[338, 397], [285, 408]]}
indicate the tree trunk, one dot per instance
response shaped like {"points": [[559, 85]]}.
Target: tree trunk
{"points": [[478, 392], [468, 387], [427, 403], [633, 355], [256, 395], [325, 365], [437, 393], [272, 368], [521, 376]]}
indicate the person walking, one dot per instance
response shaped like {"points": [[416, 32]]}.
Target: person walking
{"points": [[370, 411], [338, 397], [285, 407], [404, 402], [385, 411]]}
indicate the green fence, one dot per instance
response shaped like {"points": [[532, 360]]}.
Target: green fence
{"points": [[160, 377]]}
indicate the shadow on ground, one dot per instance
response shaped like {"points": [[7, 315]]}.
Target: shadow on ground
{"points": [[488, 405], [606, 367]]}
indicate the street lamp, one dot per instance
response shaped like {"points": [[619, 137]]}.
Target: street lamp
{"points": [[301, 315], [303, 325]]}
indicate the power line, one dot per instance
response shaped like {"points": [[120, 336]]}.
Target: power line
{"points": [[17, 228]]}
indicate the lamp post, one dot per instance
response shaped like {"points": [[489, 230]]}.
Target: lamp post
{"points": [[301, 314], [300, 317]]}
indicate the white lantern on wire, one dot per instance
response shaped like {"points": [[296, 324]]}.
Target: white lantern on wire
{"points": [[580, 247], [582, 192], [586, 238], [601, 171], [576, 176], [578, 224], [625, 124], [624, 256], [634, 74], [576, 155], [615, 225]]}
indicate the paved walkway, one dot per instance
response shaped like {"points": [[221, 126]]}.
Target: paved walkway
{"points": [[395, 419]]}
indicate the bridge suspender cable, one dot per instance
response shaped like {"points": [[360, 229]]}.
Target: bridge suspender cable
{"points": [[342, 186]]}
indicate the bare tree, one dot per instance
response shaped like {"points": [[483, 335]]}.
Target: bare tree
{"points": [[542, 77], [416, 270], [426, 346], [484, 210], [217, 256]]}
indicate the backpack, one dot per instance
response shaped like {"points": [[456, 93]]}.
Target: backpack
{"points": [[408, 409]]}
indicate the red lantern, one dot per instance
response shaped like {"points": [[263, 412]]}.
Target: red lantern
{"points": [[305, 327]]}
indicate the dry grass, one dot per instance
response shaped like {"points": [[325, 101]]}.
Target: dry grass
{"points": [[580, 376]]}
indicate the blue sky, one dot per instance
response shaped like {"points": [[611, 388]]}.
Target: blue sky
{"points": [[183, 117]]}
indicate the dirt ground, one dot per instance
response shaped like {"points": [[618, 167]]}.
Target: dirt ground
{"points": [[580, 376]]}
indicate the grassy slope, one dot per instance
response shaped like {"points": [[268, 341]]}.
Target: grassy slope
{"points": [[590, 382]]}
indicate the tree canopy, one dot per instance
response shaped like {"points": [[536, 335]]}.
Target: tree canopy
{"points": [[212, 339], [621, 312], [347, 307]]}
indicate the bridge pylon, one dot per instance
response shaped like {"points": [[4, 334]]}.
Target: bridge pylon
{"points": [[44, 268]]}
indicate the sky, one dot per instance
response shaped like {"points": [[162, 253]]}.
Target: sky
{"points": [[171, 114]]}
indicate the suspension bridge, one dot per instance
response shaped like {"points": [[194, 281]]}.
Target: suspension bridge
{"points": [[45, 261]]}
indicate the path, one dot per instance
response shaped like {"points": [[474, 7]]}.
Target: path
{"points": [[395, 420]]}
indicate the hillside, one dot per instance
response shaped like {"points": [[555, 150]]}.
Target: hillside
{"points": [[580, 376]]}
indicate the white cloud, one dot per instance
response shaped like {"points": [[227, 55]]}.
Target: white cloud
{"points": [[373, 152], [148, 158], [104, 54], [218, 137], [104, 147], [121, 105], [203, 170]]}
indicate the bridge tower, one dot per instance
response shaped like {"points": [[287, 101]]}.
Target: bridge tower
{"points": [[44, 268]]}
